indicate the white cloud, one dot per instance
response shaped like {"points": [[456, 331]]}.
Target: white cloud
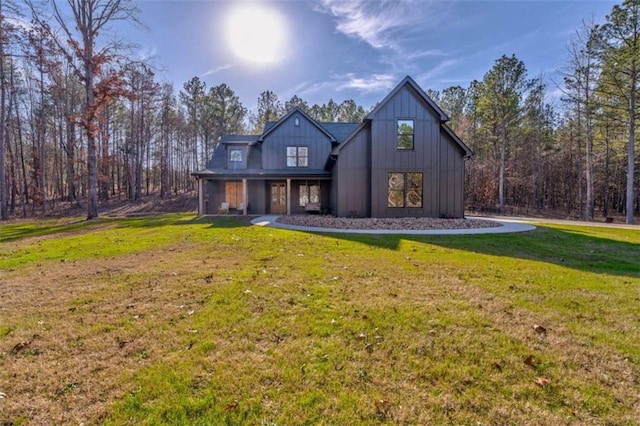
{"points": [[369, 84], [377, 23], [373, 83], [216, 70]]}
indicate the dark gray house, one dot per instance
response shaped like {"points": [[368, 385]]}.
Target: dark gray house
{"points": [[401, 161]]}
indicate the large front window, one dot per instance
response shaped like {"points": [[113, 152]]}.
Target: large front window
{"points": [[405, 134], [297, 156], [309, 194], [405, 190]]}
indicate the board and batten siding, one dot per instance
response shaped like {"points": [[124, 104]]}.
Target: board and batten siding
{"points": [[451, 178], [274, 146], [351, 177], [424, 158]]}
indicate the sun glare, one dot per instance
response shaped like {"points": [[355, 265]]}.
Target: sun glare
{"points": [[256, 33]]}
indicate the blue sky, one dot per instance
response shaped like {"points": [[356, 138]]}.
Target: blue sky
{"points": [[354, 49]]}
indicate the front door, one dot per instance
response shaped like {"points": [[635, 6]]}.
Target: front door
{"points": [[278, 198]]}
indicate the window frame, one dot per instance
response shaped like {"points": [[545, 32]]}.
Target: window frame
{"points": [[307, 194], [233, 151], [401, 135], [406, 190], [298, 157]]}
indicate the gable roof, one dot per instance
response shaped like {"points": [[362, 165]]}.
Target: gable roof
{"points": [[270, 129], [408, 81], [422, 94]]}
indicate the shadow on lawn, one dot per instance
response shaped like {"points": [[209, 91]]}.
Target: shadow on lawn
{"points": [[573, 249], [14, 232], [180, 220], [19, 231]]}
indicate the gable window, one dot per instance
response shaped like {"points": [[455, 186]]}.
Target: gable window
{"points": [[405, 134], [297, 156], [235, 155], [404, 190], [309, 194]]}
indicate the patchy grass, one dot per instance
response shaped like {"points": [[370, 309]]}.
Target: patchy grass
{"points": [[174, 320]]}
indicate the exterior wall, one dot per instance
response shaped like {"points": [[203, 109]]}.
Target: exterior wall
{"points": [[351, 176], [274, 146], [451, 187], [424, 158]]}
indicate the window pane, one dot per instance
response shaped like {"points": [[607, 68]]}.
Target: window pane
{"points": [[405, 127], [303, 156], [291, 151], [235, 155], [396, 181], [396, 198], [405, 134], [414, 198], [414, 181], [304, 195], [405, 142], [314, 194], [291, 161]]}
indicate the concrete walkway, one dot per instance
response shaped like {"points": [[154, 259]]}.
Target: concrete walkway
{"points": [[507, 226]]}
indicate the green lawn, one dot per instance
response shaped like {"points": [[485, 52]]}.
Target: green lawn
{"points": [[177, 320]]}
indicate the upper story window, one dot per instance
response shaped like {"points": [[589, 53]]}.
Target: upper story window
{"points": [[297, 156], [235, 155], [405, 134]]}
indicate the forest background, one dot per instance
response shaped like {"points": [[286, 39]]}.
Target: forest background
{"points": [[82, 124]]}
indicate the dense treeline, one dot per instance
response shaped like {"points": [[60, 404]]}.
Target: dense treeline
{"points": [[83, 123]]}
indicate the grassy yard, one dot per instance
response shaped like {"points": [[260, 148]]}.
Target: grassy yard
{"points": [[176, 320]]}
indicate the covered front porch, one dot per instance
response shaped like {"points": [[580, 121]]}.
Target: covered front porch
{"points": [[267, 195]]}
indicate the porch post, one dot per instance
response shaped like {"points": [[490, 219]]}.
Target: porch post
{"points": [[244, 197], [201, 196], [288, 197]]}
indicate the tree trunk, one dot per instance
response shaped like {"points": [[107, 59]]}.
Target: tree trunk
{"points": [[92, 202], [503, 154], [3, 179], [631, 154]]}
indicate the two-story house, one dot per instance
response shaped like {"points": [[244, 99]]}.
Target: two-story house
{"points": [[401, 161]]}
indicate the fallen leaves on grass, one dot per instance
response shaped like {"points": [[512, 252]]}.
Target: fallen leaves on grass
{"points": [[542, 382], [19, 347], [531, 361], [539, 329]]}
